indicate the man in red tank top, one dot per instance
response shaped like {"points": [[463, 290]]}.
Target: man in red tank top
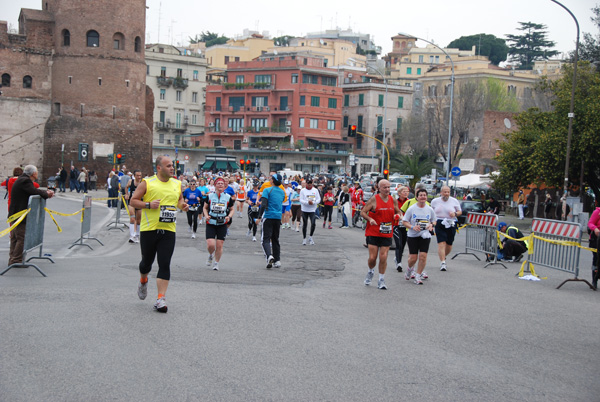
{"points": [[382, 213]]}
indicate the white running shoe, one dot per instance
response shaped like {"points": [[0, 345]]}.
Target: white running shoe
{"points": [[410, 271], [311, 241], [209, 261], [132, 239], [369, 278], [418, 280], [381, 284], [270, 261], [161, 305], [136, 239], [304, 242], [216, 266], [297, 229], [443, 267], [193, 235], [424, 275], [142, 290], [277, 264]]}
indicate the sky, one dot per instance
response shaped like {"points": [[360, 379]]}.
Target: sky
{"points": [[440, 21]]}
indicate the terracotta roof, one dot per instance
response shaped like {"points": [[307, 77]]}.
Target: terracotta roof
{"points": [[36, 15]]}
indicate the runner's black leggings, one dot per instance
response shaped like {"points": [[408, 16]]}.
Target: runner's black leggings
{"points": [[305, 216], [252, 216], [400, 240], [157, 244], [193, 219], [327, 211]]}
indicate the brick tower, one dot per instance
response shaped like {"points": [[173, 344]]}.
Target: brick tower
{"points": [[98, 83]]}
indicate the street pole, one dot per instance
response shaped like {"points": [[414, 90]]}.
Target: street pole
{"points": [[572, 106], [451, 103]]}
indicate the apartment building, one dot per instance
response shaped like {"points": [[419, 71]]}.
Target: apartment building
{"points": [[178, 81]]}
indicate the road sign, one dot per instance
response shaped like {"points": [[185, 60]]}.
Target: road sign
{"points": [[455, 171], [187, 157]]}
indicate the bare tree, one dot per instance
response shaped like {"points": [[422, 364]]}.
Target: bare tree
{"points": [[412, 135]]}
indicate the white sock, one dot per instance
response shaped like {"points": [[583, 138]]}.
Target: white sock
{"points": [[381, 276], [131, 229], [138, 231], [372, 270], [443, 262]]}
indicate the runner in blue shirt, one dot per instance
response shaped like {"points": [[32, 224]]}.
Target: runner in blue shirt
{"points": [[193, 197], [252, 210], [271, 203]]}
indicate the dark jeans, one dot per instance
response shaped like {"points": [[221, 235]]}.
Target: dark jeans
{"points": [[157, 244], [112, 192], [61, 186], [327, 212], [270, 237], [305, 217], [74, 184], [17, 242]]}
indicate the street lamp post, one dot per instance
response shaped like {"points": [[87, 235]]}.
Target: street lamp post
{"points": [[384, 123], [572, 106], [451, 102]]}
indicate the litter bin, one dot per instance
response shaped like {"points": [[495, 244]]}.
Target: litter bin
{"points": [[52, 182]]}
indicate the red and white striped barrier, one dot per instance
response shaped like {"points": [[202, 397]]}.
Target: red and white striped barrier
{"points": [[488, 220], [556, 228]]}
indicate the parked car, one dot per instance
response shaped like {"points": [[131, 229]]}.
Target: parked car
{"points": [[469, 206]]}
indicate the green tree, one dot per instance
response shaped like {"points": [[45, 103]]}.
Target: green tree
{"points": [[531, 45], [589, 48], [282, 40], [498, 99], [536, 152], [416, 164], [487, 45], [209, 38]]}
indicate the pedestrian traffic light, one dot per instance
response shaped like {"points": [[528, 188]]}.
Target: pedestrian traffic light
{"points": [[352, 130], [386, 174], [111, 159], [248, 162], [83, 152]]}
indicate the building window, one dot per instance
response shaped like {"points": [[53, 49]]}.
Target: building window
{"points": [[266, 78], [315, 101], [399, 125], [260, 101], [179, 73], [163, 94], [161, 138], [177, 120], [419, 71], [27, 81], [217, 143], [93, 39], [70, 79], [380, 102], [137, 47], [345, 121], [66, 36], [162, 116], [302, 100], [379, 124], [329, 81], [409, 70], [178, 96], [163, 72], [99, 81], [359, 123], [447, 89], [359, 142], [346, 100], [430, 59], [239, 79], [118, 41], [194, 97], [314, 123], [195, 75], [235, 125], [512, 90], [226, 59], [194, 119], [330, 124], [332, 103], [432, 90], [420, 58], [147, 69], [400, 102], [257, 124], [6, 80], [437, 59], [310, 79], [177, 139], [294, 78], [56, 109], [218, 124], [127, 83], [114, 112], [218, 104], [81, 109], [361, 99], [301, 122]]}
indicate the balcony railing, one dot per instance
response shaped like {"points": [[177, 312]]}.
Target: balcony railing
{"points": [[247, 85], [181, 83], [164, 81]]}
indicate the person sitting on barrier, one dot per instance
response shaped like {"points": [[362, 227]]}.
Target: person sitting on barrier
{"points": [[513, 249], [594, 231], [22, 188]]}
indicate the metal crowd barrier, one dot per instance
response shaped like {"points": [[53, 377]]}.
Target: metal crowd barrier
{"points": [[86, 224], [34, 234], [551, 247], [481, 237], [117, 222]]}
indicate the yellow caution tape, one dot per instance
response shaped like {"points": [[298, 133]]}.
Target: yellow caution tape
{"points": [[52, 213], [126, 206], [19, 216]]}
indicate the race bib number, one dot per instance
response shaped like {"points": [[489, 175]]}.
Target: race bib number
{"points": [[423, 224], [218, 207], [385, 228], [311, 197], [254, 208], [168, 214], [193, 208]]}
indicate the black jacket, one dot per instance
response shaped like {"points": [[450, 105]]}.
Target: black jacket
{"points": [[21, 190]]}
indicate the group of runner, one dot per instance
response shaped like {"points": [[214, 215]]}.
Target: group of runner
{"points": [[155, 202]]}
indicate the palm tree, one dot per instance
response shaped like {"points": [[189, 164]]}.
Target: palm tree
{"points": [[417, 165]]}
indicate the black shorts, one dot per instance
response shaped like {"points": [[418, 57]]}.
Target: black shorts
{"points": [[379, 241], [218, 231], [417, 244], [444, 234]]}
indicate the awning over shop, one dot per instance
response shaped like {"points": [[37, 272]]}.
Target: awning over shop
{"points": [[221, 165], [233, 165], [208, 165], [326, 139], [270, 135]]}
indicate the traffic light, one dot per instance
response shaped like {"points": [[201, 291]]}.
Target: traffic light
{"points": [[352, 130], [242, 162], [83, 152], [118, 158], [248, 162], [386, 174], [111, 159]]}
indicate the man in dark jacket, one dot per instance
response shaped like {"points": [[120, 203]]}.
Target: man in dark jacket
{"points": [[62, 179], [21, 190], [513, 249]]}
